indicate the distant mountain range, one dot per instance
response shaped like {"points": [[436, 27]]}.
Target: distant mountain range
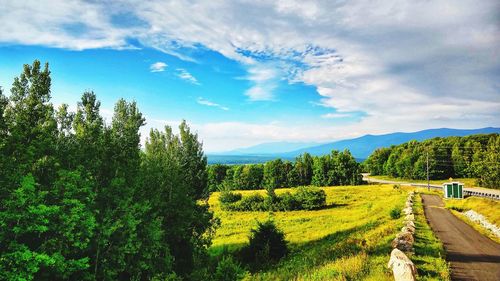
{"points": [[271, 148], [360, 147]]}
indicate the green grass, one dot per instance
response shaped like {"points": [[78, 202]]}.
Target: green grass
{"points": [[429, 251], [490, 209], [348, 240]]}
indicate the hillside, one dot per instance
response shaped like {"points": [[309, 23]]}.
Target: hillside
{"points": [[348, 240], [360, 147]]}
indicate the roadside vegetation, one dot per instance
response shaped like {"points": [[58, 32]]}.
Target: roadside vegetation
{"points": [[429, 257], [468, 182], [476, 156], [490, 209]]}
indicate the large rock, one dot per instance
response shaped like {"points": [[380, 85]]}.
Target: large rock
{"points": [[402, 267], [409, 229], [408, 211], [410, 224], [403, 241]]}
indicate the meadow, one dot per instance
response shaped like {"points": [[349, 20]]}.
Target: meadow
{"points": [[347, 240]]}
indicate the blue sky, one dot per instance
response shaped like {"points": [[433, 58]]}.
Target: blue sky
{"points": [[243, 73]]}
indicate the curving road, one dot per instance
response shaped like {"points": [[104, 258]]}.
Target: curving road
{"points": [[472, 255]]}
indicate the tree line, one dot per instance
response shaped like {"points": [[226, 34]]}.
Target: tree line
{"points": [[475, 156], [336, 168], [80, 200]]}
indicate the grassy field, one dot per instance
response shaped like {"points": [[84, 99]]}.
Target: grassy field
{"points": [[348, 240]]}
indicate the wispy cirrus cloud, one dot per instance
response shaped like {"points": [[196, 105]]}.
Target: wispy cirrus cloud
{"points": [[206, 102], [158, 67], [185, 75]]}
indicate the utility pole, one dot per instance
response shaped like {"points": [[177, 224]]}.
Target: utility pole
{"points": [[428, 185]]}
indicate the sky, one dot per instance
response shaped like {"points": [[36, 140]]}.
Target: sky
{"points": [[248, 72]]}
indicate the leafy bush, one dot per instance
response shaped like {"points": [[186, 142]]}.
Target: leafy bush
{"points": [[395, 213], [253, 202], [286, 202], [310, 198], [228, 270], [228, 197], [267, 245], [457, 208], [306, 198]]}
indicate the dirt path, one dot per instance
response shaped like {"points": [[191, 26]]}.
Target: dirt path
{"points": [[472, 255]]}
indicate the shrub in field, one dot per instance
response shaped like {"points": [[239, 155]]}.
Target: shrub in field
{"points": [[395, 213], [267, 245], [229, 270], [310, 198], [253, 202], [286, 202], [228, 197], [305, 198]]}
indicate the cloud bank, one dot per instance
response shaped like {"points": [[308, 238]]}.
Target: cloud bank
{"points": [[406, 65]]}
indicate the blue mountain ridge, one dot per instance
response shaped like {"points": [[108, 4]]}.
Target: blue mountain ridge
{"points": [[360, 147]]}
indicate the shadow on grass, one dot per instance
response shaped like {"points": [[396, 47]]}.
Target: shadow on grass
{"points": [[308, 255]]}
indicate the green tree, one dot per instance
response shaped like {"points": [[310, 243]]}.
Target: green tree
{"points": [[274, 176], [216, 174], [194, 162], [304, 168], [118, 214], [490, 176], [45, 234], [32, 128], [185, 222]]}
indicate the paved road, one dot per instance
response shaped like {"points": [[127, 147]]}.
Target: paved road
{"points": [[472, 255], [468, 191]]}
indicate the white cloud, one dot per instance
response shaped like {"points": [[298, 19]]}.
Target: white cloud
{"points": [[203, 101], [158, 66], [406, 65], [265, 79], [185, 75], [335, 115]]}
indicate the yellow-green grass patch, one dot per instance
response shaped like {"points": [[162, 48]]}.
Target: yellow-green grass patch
{"points": [[347, 240], [489, 208]]}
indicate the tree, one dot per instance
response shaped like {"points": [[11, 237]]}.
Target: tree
{"points": [[185, 223], [216, 174], [118, 214], [321, 166], [45, 234], [274, 176], [88, 127], [194, 162], [267, 244], [32, 129], [304, 168], [490, 177]]}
